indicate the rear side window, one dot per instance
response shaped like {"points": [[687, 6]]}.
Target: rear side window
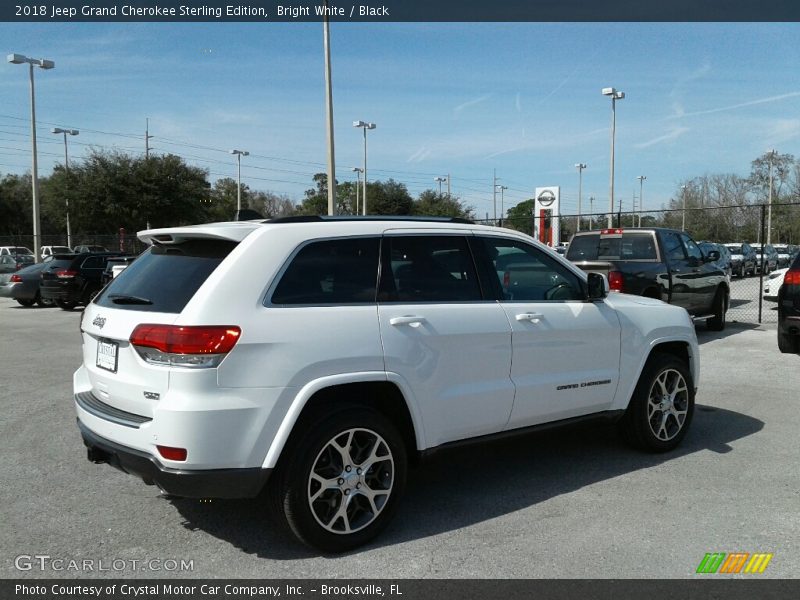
{"points": [[343, 271], [165, 278], [628, 246], [428, 269]]}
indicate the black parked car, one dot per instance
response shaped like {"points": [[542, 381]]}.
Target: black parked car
{"points": [[769, 260], [724, 262], [73, 279], [665, 264], [789, 310]]}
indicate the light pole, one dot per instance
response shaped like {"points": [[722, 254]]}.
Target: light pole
{"points": [[326, 42], [502, 188], [66, 132], [641, 179], [239, 154], [494, 196], [683, 218], [364, 125], [42, 63], [357, 171], [615, 95], [440, 180], [580, 167], [769, 201], [591, 210]]}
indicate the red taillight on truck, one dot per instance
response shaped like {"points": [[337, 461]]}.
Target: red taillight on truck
{"points": [[184, 346], [66, 274], [616, 281], [792, 277]]}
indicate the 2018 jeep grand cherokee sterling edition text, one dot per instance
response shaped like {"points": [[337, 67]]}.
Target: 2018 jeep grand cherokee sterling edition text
{"points": [[312, 358]]}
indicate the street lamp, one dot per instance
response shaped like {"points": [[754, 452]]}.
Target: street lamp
{"points": [[66, 132], [580, 167], [239, 154], [502, 188], [357, 171], [683, 218], [364, 125], [591, 211], [615, 95], [440, 180], [769, 202], [641, 179], [42, 63]]}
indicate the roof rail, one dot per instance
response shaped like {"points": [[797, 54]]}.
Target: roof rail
{"points": [[333, 218]]}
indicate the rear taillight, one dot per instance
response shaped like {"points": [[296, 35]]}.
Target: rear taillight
{"points": [[171, 453], [506, 280], [792, 277], [66, 274], [616, 281], [15, 279], [174, 345]]}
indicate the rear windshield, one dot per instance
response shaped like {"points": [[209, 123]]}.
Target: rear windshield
{"points": [[628, 246], [165, 278]]}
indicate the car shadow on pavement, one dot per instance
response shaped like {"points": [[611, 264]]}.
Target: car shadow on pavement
{"points": [[463, 486], [704, 334]]}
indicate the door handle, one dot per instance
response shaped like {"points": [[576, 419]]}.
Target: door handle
{"points": [[532, 317], [407, 320]]}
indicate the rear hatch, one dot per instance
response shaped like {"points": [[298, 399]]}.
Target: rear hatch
{"points": [[154, 289], [597, 252], [57, 275]]}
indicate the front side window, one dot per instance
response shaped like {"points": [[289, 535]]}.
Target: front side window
{"points": [[673, 248], [424, 268], [342, 271], [691, 248], [526, 273]]}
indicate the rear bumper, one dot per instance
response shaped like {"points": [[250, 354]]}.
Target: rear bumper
{"points": [[66, 292], [209, 483]]}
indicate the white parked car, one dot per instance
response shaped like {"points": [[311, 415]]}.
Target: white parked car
{"points": [[316, 356], [14, 250], [773, 283], [46, 251]]}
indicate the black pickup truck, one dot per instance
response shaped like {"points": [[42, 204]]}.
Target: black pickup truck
{"points": [[658, 263]]}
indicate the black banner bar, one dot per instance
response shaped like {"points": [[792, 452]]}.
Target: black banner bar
{"points": [[400, 10], [704, 586]]}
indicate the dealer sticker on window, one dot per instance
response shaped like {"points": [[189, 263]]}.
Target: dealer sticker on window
{"points": [[107, 355]]}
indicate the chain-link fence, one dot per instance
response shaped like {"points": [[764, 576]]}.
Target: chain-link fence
{"points": [[770, 234]]}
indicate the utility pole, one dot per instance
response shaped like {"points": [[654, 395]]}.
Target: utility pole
{"points": [[448, 186], [147, 138], [580, 167], [683, 218], [591, 210], [494, 195]]}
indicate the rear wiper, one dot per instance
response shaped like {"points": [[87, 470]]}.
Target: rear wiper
{"points": [[122, 299]]}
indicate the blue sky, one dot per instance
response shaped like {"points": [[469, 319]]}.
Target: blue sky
{"points": [[462, 99]]}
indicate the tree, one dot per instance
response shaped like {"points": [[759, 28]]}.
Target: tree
{"points": [[109, 190], [388, 198], [439, 205], [520, 217], [16, 216]]}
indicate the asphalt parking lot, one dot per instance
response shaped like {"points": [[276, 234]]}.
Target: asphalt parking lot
{"points": [[566, 504]]}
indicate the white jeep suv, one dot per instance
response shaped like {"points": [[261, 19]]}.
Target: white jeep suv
{"points": [[314, 357]]}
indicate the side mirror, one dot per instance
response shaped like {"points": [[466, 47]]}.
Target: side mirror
{"points": [[598, 286], [712, 256]]}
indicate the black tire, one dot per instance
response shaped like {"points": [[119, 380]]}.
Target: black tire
{"points": [[640, 426], [292, 485], [720, 308], [65, 304], [25, 302], [788, 344], [42, 302]]}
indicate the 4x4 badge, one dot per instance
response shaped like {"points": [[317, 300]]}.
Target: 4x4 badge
{"points": [[99, 322]]}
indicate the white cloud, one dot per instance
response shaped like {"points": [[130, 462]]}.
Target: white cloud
{"points": [[667, 137]]}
